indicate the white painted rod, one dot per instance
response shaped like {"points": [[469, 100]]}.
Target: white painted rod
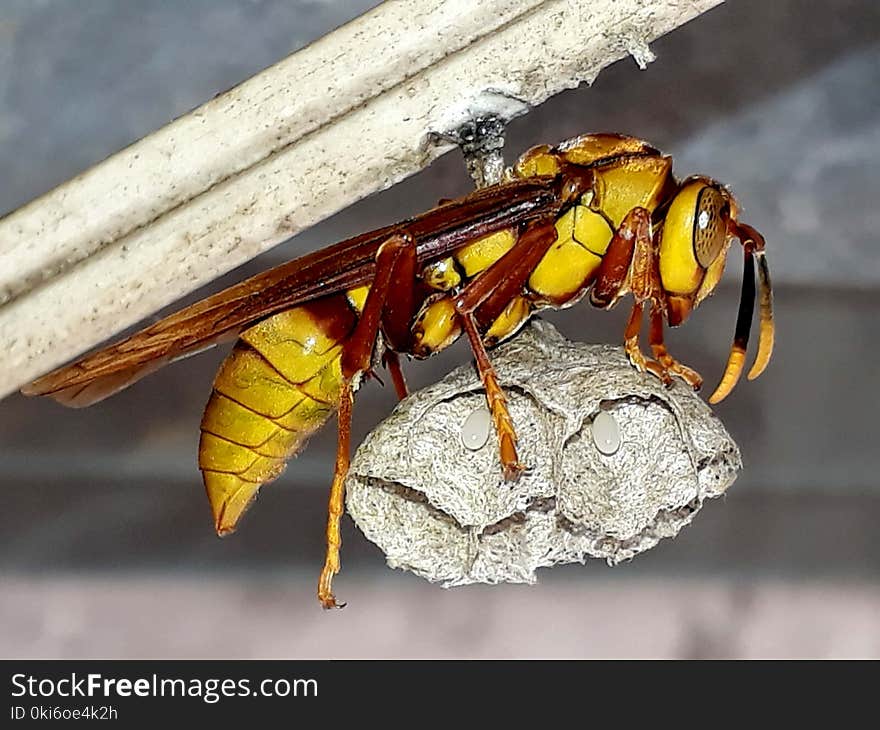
{"points": [[347, 116]]}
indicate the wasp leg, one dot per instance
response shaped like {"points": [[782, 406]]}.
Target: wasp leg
{"points": [[397, 317], [661, 354], [496, 401], [634, 352], [631, 264], [483, 299], [336, 504], [394, 255], [613, 278], [491, 291], [392, 364]]}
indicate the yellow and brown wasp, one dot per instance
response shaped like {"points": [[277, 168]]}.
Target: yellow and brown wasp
{"points": [[600, 213]]}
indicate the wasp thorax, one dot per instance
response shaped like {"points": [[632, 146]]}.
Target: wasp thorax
{"points": [[537, 161]]}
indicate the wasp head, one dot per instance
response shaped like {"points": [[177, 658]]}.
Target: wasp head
{"points": [[697, 229]]}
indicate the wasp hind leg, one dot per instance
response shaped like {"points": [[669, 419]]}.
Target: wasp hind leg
{"points": [[336, 504], [394, 261]]}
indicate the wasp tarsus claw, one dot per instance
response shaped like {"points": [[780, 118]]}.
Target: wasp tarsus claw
{"points": [[512, 472], [330, 603]]}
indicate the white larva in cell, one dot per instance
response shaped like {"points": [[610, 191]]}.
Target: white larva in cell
{"points": [[606, 433], [475, 429]]}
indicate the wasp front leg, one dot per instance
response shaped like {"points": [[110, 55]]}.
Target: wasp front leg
{"points": [[631, 264], [634, 351], [661, 354], [395, 261]]}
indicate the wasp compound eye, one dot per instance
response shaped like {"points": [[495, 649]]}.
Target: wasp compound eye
{"points": [[710, 226], [606, 433], [475, 429]]}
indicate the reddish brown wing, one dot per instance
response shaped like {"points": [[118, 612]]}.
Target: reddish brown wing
{"points": [[345, 265]]}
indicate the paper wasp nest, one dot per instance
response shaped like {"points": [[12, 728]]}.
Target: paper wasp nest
{"points": [[605, 486]]}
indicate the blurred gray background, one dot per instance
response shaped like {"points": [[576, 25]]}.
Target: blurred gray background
{"points": [[106, 545]]}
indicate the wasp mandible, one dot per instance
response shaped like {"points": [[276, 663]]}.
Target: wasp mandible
{"points": [[599, 214]]}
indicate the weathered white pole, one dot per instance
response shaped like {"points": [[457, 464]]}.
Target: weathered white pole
{"points": [[345, 117]]}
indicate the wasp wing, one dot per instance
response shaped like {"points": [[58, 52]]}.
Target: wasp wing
{"points": [[351, 263]]}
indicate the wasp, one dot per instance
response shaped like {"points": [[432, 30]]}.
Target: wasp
{"points": [[600, 214]]}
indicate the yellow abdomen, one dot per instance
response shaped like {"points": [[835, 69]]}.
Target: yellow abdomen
{"points": [[277, 387]]}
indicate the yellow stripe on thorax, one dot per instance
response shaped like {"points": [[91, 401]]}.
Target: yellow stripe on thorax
{"points": [[582, 237], [482, 253]]}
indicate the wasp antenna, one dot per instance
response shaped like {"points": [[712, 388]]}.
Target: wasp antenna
{"points": [[737, 357], [767, 331], [754, 241]]}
